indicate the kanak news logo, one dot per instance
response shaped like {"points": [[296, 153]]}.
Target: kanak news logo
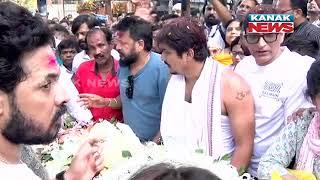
{"points": [[270, 23]]}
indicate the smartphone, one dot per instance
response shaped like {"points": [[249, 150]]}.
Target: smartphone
{"points": [[103, 19]]}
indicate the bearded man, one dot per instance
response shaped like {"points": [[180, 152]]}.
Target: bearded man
{"points": [[31, 98]]}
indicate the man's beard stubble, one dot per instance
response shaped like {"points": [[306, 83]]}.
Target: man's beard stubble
{"points": [[128, 60], [23, 130], [211, 20], [82, 44]]}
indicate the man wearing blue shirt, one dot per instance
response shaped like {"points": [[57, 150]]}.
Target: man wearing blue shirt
{"points": [[143, 78]]}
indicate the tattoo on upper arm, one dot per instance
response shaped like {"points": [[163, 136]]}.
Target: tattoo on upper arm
{"points": [[242, 94]]}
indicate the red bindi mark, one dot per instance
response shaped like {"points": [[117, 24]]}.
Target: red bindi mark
{"points": [[52, 61]]}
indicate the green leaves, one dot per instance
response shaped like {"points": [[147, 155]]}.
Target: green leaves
{"points": [[113, 121], [226, 157], [68, 121], [46, 157], [126, 154], [242, 170]]}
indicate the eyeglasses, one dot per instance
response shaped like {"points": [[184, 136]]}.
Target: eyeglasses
{"points": [[255, 38], [129, 89]]}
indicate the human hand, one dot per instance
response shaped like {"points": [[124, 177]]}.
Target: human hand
{"points": [[141, 3], [92, 100], [87, 162], [214, 51], [144, 13], [157, 139]]}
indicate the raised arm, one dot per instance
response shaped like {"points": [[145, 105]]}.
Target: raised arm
{"points": [[222, 11]]}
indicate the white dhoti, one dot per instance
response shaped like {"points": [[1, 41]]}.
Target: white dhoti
{"points": [[197, 125]]}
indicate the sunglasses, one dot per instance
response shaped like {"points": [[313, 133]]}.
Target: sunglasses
{"points": [[254, 38], [129, 89]]}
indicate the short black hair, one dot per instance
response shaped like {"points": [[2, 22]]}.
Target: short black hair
{"points": [[239, 2], [169, 16], [51, 22], [231, 21], [59, 28], [313, 80], [165, 171], [20, 33], [302, 46], [138, 28], [64, 20], [156, 27], [107, 33], [184, 34], [300, 4], [71, 43], [235, 42], [91, 22]]}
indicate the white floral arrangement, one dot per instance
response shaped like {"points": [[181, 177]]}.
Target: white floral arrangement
{"points": [[124, 154]]}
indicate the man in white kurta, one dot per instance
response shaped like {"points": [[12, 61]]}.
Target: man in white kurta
{"points": [[206, 108]]}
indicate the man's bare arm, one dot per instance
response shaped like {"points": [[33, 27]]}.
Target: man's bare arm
{"points": [[239, 106]]}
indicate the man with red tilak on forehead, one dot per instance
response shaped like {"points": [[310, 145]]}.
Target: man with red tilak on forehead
{"points": [[31, 99]]}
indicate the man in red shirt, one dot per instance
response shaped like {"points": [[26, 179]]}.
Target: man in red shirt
{"points": [[98, 77]]}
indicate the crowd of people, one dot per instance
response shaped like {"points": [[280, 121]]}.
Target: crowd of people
{"points": [[183, 82]]}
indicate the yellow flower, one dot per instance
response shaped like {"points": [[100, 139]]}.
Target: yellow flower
{"points": [[89, 5]]}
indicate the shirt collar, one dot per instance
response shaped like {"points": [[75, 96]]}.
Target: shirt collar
{"points": [[94, 66], [301, 25]]}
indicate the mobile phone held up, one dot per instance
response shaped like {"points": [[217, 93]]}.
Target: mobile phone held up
{"points": [[103, 19]]}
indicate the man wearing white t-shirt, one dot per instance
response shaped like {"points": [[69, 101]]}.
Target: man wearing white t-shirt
{"points": [[31, 98], [277, 78]]}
